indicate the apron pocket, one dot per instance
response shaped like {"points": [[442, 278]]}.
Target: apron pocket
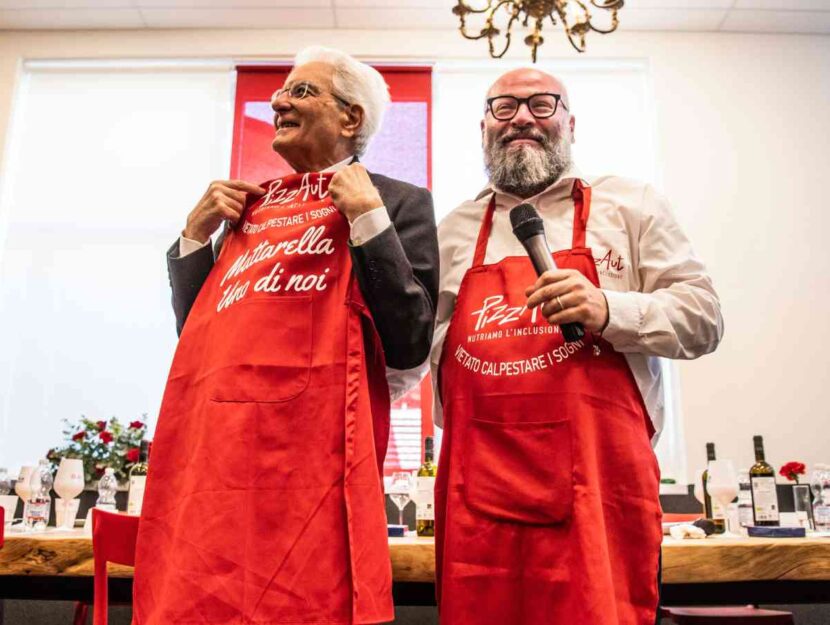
{"points": [[519, 471], [261, 350]]}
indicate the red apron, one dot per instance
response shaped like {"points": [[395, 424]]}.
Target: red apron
{"points": [[264, 500], [547, 507]]}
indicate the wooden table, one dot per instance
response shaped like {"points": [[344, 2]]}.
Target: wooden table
{"points": [[59, 565]]}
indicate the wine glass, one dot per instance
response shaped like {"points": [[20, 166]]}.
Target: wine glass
{"points": [[69, 483], [21, 487], [400, 491], [723, 486], [698, 487]]}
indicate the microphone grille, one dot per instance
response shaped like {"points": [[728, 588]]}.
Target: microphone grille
{"points": [[525, 221]]}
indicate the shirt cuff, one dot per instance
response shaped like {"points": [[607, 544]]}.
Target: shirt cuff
{"points": [[188, 246], [625, 318], [369, 225]]}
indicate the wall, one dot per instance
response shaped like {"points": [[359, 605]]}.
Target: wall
{"points": [[741, 131]]}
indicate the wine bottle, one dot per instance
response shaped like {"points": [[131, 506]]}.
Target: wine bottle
{"points": [[762, 481], [711, 508], [425, 504], [138, 478]]}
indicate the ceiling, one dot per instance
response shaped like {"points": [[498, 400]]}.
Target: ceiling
{"points": [[755, 16]]}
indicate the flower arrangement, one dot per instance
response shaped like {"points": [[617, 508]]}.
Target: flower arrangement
{"points": [[101, 444], [792, 470]]}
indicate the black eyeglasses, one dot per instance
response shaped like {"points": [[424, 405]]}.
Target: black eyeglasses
{"points": [[303, 90], [541, 105]]}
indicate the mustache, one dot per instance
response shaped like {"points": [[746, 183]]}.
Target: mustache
{"points": [[528, 133]]}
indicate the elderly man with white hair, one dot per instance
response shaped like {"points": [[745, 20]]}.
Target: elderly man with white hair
{"points": [[264, 503]]}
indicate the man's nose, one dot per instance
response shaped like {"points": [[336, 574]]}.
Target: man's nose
{"points": [[523, 117], [280, 102]]}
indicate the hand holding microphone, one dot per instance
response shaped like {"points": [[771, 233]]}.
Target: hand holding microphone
{"points": [[566, 297]]}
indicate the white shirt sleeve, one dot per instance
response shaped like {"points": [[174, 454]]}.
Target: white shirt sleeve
{"points": [[369, 225], [676, 313], [402, 381], [188, 246]]}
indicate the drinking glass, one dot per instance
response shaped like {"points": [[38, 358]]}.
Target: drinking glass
{"points": [[400, 491], [69, 483], [21, 487], [723, 486], [802, 506]]}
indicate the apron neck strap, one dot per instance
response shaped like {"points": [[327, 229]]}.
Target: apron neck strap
{"points": [[484, 232], [581, 194]]}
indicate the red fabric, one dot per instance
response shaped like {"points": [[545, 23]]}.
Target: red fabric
{"points": [[264, 501], [547, 506], [113, 540]]}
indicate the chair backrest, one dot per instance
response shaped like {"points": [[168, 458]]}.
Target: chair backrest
{"points": [[113, 540]]}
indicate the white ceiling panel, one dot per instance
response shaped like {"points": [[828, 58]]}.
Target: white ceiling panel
{"points": [[784, 5], [404, 4], [228, 4], [67, 4], [816, 22], [397, 19], [671, 19], [69, 19], [239, 18], [676, 4]]}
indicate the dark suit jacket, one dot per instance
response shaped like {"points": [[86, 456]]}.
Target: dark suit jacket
{"points": [[397, 271]]}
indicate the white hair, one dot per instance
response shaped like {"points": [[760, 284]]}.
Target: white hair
{"points": [[356, 83]]}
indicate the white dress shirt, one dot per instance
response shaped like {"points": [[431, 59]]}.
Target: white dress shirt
{"points": [[362, 229], [661, 301]]}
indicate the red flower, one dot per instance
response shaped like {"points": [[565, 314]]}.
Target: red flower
{"points": [[132, 455], [105, 436], [792, 470], [79, 436], [136, 425], [99, 470], [101, 425]]}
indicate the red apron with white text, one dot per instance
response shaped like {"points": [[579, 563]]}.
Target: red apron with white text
{"points": [[547, 508], [264, 501]]}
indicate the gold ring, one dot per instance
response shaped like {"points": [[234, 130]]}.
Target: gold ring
{"points": [[561, 305]]}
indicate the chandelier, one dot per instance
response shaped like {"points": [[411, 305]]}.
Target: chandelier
{"points": [[574, 15]]}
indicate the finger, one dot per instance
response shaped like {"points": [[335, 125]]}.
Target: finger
{"points": [[231, 210], [555, 305], [575, 314], [549, 292], [549, 277], [245, 187]]}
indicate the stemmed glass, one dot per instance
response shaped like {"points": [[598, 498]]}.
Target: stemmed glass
{"points": [[400, 491], [21, 486], [69, 483], [723, 486]]}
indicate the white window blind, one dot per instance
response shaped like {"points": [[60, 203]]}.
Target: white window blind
{"points": [[103, 163]]}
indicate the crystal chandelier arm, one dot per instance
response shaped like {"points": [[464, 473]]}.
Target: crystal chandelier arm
{"points": [[614, 23], [462, 9], [609, 4]]}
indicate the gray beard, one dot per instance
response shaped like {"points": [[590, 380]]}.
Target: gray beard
{"points": [[526, 170]]}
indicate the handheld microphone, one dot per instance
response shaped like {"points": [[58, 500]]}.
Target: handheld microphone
{"points": [[530, 230]]}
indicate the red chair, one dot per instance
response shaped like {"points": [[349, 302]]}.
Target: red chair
{"points": [[113, 540], [748, 615]]}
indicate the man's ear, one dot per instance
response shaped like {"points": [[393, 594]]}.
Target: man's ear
{"points": [[572, 123], [352, 120]]}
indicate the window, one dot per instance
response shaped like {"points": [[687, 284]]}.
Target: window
{"points": [[103, 164]]}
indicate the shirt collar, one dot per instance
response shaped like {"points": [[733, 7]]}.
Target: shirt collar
{"points": [[338, 166], [561, 187]]}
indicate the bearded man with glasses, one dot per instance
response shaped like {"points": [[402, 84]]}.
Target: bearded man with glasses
{"points": [[547, 508], [264, 501]]}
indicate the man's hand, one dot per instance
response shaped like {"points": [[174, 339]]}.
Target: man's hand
{"points": [[353, 193], [224, 199], [566, 296]]}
